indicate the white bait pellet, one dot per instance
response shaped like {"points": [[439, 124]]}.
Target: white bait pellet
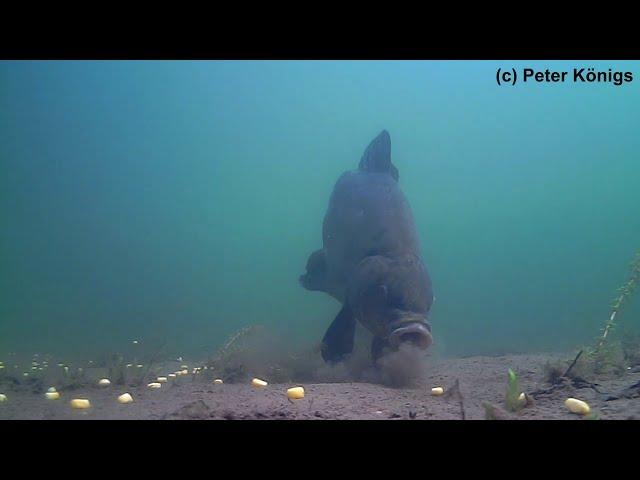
{"points": [[256, 382], [125, 398]]}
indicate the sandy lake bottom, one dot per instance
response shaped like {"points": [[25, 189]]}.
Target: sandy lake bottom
{"points": [[480, 379]]}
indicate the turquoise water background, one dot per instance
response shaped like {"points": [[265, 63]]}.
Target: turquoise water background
{"points": [[179, 201]]}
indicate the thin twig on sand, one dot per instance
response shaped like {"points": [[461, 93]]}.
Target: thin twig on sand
{"points": [[570, 367], [564, 379]]}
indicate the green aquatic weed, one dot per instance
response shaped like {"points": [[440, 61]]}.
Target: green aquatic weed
{"points": [[605, 356], [73, 378], [512, 398], [624, 293], [489, 411], [608, 358], [116, 369]]}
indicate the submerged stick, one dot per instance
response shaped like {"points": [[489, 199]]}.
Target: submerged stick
{"points": [[570, 367]]}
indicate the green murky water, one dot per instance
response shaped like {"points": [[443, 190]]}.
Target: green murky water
{"points": [[178, 201]]}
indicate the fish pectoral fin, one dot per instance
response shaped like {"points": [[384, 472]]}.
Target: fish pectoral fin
{"points": [[378, 347], [315, 278], [337, 343]]}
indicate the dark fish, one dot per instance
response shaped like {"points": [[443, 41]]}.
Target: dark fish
{"points": [[370, 260]]}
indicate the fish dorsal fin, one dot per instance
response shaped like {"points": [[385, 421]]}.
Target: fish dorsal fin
{"points": [[377, 156]]}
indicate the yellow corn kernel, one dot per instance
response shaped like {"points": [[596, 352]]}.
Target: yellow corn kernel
{"points": [[80, 403], [295, 393], [577, 406], [256, 382]]}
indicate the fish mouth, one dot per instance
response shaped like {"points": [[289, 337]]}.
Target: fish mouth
{"points": [[414, 333]]}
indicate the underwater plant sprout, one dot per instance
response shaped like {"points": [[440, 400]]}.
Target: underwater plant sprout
{"points": [[512, 397], [625, 292]]}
